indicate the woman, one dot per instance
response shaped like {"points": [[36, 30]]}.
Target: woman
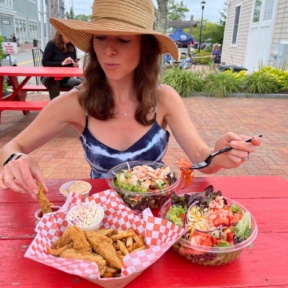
{"points": [[59, 52], [216, 55], [120, 112]]}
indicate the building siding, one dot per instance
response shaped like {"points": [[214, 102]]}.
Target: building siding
{"points": [[235, 54]]}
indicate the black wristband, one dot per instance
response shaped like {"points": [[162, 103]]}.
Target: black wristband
{"points": [[13, 156]]}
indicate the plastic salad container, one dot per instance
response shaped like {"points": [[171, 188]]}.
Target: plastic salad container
{"points": [[143, 184], [216, 235]]}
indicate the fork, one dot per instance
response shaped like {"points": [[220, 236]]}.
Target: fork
{"points": [[209, 159]]}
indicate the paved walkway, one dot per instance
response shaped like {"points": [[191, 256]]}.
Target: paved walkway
{"points": [[62, 157]]}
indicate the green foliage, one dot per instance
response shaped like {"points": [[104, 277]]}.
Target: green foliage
{"points": [[5, 85], [280, 75], [2, 54], [82, 17], [176, 11], [221, 84], [184, 82], [260, 82], [71, 14], [206, 57]]}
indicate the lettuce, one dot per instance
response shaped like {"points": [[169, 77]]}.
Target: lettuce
{"points": [[174, 213]]}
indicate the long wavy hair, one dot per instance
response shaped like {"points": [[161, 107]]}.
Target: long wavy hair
{"points": [[58, 39], [96, 97]]}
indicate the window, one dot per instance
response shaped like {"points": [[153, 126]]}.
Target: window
{"points": [[268, 10], [257, 10], [6, 3], [236, 24]]}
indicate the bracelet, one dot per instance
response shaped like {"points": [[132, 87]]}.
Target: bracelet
{"points": [[13, 156]]}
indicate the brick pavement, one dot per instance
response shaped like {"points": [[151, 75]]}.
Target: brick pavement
{"points": [[62, 157]]}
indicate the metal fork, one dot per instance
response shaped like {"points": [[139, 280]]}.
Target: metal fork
{"points": [[209, 159]]}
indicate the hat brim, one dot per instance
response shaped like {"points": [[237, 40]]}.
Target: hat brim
{"points": [[80, 33]]}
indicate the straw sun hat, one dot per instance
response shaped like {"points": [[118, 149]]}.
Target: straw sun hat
{"points": [[115, 17]]}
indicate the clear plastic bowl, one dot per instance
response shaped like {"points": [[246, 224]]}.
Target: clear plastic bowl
{"points": [[211, 256], [74, 218], [81, 187], [138, 201]]}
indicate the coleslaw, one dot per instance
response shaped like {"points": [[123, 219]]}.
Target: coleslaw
{"points": [[85, 214]]}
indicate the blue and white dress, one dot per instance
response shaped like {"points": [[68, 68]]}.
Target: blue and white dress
{"points": [[152, 146]]}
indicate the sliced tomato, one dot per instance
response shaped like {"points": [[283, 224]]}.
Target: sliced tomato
{"points": [[230, 237], [234, 218], [221, 221], [199, 238]]}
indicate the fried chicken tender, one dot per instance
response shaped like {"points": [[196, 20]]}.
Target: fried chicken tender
{"points": [[76, 236], [73, 254], [58, 251], [104, 246], [43, 200]]}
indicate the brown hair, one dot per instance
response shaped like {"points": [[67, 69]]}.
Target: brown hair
{"points": [[58, 39], [96, 97]]}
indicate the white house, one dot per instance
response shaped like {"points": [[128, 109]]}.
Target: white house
{"points": [[256, 34]]}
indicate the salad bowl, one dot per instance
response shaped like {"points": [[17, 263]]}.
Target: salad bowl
{"points": [[143, 184], [230, 228]]}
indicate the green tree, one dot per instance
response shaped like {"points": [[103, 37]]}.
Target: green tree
{"points": [[70, 15], [176, 11], [83, 17]]}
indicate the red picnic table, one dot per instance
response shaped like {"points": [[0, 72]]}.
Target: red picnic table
{"points": [[17, 99], [262, 265]]}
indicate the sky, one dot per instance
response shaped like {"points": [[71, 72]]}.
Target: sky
{"points": [[211, 11]]}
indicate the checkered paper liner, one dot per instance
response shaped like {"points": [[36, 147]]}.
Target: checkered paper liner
{"points": [[159, 234]]}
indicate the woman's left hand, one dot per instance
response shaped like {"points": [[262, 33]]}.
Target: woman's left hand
{"points": [[240, 153]]}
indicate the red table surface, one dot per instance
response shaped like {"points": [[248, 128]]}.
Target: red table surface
{"points": [[264, 264]]}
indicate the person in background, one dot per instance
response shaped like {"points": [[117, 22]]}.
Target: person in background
{"points": [[13, 37], [216, 56], [59, 52], [187, 63], [121, 112]]}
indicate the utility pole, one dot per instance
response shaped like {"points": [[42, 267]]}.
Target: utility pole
{"points": [[202, 6], [48, 33], [41, 12]]}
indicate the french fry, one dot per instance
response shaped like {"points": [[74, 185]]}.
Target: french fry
{"points": [[122, 242], [122, 247], [119, 236], [139, 249], [129, 241], [111, 270]]}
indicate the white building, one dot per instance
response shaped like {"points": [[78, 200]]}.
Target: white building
{"points": [[256, 34]]}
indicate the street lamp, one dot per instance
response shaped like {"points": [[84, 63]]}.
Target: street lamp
{"points": [[203, 6]]}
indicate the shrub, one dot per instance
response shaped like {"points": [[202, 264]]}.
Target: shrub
{"points": [[220, 84], [206, 57], [184, 82], [279, 75], [260, 82]]}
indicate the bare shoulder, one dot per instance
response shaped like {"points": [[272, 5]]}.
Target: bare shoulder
{"points": [[168, 98]]}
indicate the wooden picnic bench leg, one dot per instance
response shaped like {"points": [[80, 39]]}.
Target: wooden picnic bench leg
{"points": [[21, 95]]}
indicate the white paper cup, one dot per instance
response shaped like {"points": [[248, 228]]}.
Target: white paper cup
{"points": [[76, 216], [77, 186], [38, 214]]}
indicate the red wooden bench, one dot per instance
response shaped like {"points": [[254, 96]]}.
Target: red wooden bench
{"points": [[30, 87], [22, 105]]}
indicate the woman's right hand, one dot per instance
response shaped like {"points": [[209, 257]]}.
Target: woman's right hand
{"points": [[67, 61], [21, 176]]}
